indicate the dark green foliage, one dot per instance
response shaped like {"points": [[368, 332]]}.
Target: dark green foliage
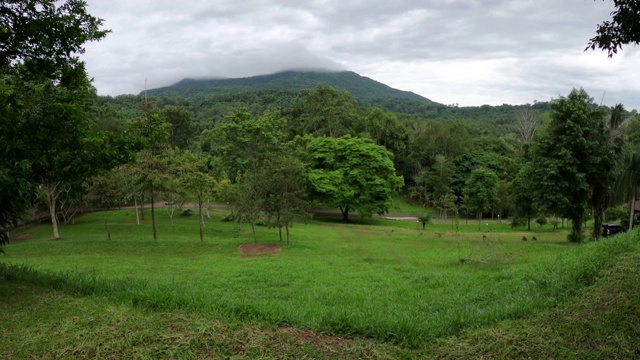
{"points": [[424, 219], [624, 28], [324, 111], [39, 43], [186, 212], [572, 160], [541, 221], [481, 192], [45, 36], [615, 213], [360, 87]]}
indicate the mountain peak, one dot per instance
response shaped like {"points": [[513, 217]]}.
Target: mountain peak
{"points": [[360, 87]]}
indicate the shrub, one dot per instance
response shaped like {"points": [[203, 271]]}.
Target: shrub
{"points": [[424, 219], [518, 221], [615, 213], [541, 220], [229, 217], [186, 212]]}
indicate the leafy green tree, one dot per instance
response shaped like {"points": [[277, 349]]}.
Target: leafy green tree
{"points": [[105, 191], [182, 130], [39, 41], [440, 177], [283, 179], [628, 179], [324, 111], [197, 181], [522, 191], [481, 192], [624, 28], [352, 174], [152, 131], [244, 142], [570, 159]]}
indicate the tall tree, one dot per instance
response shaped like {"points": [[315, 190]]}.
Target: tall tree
{"points": [[352, 174], [628, 179], [285, 196], [481, 192], [572, 159], [152, 131], [39, 41], [324, 111], [182, 130]]}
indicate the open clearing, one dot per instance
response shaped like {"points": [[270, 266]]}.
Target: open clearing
{"points": [[378, 288]]}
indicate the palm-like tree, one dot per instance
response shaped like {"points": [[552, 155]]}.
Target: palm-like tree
{"points": [[628, 178]]}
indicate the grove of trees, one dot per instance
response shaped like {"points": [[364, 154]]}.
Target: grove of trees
{"points": [[272, 155]]}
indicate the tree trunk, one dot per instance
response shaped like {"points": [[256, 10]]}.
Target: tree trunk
{"points": [[253, 228], [345, 212], [153, 219], [142, 209], [135, 204], [280, 232], [106, 225], [632, 206], [201, 218], [479, 220], [51, 197], [286, 226]]}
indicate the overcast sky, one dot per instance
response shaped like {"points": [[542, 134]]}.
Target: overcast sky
{"points": [[450, 51]]}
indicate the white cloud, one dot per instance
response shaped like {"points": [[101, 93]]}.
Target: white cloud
{"points": [[454, 51]]}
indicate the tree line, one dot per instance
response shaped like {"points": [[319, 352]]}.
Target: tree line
{"points": [[64, 146]]}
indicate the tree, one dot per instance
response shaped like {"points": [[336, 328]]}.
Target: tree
{"points": [[39, 41], [571, 159], [527, 122], [481, 192], [352, 174], [324, 111], [285, 196], [182, 129], [105, 191], [522, 191], [198, 183], [623, 29], [628, 179], [439, 178], [153, 131]]}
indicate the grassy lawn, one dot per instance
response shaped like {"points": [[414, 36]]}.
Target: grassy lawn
{"points": [[394, 289]]}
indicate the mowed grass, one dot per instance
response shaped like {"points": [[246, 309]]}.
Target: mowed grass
{"points": [[376, 278]]}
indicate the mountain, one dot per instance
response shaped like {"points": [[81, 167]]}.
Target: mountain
{"points": [[360, 87]]}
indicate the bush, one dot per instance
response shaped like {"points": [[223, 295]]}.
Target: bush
{"points": [[186, 212], [518, 222], [229, 217], [615, 213], [424, 219], [541, 220]]}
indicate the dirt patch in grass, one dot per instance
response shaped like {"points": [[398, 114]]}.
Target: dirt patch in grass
{"points": [[249, 250], [20, 237]]}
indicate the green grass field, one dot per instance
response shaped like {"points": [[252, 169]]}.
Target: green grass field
{"points": [[372, 288]]}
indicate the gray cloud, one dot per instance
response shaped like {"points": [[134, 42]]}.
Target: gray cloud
{"points": [[451, 51]]}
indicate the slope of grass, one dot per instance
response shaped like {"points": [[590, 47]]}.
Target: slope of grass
{"points": [[379, 279], [601, 321]]}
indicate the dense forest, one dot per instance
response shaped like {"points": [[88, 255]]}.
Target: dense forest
{"points": [[274, 146], [242, 136]]}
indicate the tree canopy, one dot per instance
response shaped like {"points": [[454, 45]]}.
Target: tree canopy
{"points": [[352, 174], [571, 159]]}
